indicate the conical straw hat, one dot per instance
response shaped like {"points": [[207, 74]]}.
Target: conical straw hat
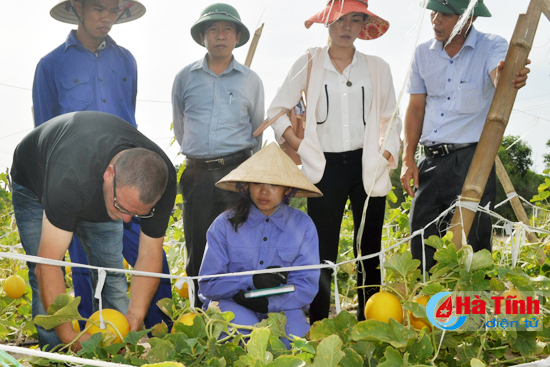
{"points": [[128, 10], [271, 166]]}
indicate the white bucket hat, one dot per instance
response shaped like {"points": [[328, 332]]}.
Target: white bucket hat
{"points": [[128, 10], [270, 166]]}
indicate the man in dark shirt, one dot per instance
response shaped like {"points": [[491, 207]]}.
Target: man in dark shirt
{"points": [[86, 173]]}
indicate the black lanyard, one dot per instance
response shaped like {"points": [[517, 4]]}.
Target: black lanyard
{"points": [[328, 105]]}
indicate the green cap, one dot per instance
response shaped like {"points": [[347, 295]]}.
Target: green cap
{"points": [[219, 12], [457, 7]]}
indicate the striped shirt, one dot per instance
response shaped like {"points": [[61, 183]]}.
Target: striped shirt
{"points": [[215, 115], [459, 90]]}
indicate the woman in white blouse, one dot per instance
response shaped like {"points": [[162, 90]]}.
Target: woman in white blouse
{"points": [[350, 102]]}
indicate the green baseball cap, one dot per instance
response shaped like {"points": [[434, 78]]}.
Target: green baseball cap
{"points": [[219, 12], [457, 7]]}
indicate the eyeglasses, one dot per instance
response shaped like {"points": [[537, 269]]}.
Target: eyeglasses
{"points": [[124, 211], [446, 3]]}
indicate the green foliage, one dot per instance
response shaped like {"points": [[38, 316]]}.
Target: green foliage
{"points": [[215, 340], [63, 309], [547, 156], [516, 159], [15, 314], [543, 190]]}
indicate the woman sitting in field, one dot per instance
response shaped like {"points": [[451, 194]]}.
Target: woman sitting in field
{"points": [[263, 232]]}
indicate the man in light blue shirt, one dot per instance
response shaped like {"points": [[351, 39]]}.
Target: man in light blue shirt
{"points": [[217, 104], [452, 84]]}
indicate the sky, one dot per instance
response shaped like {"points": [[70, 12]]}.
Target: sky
{"points": [[162, 45]]}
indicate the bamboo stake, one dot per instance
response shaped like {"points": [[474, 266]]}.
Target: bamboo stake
{"points": [[495, 124], [519, 210], [545, 7], [253, 45]]}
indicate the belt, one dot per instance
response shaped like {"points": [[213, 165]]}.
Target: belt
{"points": [[218, 163], [444, 149]]}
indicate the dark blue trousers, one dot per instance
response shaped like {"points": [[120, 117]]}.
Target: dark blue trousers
{"points": [[81, 278]]}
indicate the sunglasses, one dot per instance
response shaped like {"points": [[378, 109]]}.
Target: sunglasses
{"points": [[124, 211]]}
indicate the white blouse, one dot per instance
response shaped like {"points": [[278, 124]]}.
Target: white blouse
{"points": [[342, 111], [378, 116]]}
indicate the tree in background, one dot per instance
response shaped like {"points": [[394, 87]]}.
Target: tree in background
{"points": [[516, 158]]}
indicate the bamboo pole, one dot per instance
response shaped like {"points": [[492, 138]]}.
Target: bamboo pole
{"points": [[519, 210], [495, 124], [253, 45], [545, 7]]}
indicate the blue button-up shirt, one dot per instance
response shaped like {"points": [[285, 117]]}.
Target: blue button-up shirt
{"points": [[286, 238], [216, 115], [72, 78], [459, 90]]}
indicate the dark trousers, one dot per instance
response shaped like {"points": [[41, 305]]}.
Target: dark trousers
{"points": [[202, 203], [83, 286], [342, 179], [441, 180]]}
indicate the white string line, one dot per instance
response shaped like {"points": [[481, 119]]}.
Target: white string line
{"points": [[46, 261], [383, 146], [524, 135], [457, 29], [509, 197], [8, 233], [329, 265], [312, 56], [533, 205], [523, 225], [11, 248], [37, 259], [60, 357]]}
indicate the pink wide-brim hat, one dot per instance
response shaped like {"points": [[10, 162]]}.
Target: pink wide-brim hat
{"points": [[335, 9]]}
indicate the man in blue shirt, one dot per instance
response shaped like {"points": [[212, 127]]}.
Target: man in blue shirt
{"points": [[217, 104], [452, 83], [90, 72]]}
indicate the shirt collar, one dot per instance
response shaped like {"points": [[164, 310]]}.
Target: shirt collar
{"points": [[203, 64], [73, 41], [328, 65], [279, 217], [470, 41], [101, 46]]}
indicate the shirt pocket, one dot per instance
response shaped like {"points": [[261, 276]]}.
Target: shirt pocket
{"points": [[240, 258], [76, 92], [287, 255], [237, 108], [122, 85], [470, 98]]}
